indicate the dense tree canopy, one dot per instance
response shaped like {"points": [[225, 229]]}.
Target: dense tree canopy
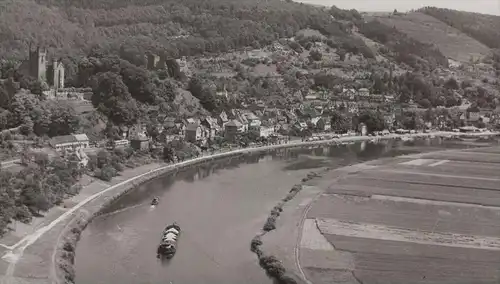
{"points": [[112, 98], [36, 188], [341, 123], [170, 27], [373, 120]]}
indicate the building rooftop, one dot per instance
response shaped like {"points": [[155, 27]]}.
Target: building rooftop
{"points": [[56, 140], [81, 137], [234, 123], [192, 126]]}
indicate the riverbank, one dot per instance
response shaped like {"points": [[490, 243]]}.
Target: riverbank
{"points": [[91, 205], [391, 221], [277, 247]]}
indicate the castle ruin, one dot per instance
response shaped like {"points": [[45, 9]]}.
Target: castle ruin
{"points": [[38, 66]]}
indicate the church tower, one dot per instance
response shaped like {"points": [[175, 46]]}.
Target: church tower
{"points": [[38, 64]]}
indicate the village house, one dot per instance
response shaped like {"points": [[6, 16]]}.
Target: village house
{"points": [[260, 105], [194, 132], [232, 129], [259, 113], [311, 97], [348, 94], [232, 113], [253, 121], [122, 143], [210, 124], [363, 92], [324, 123], [300, 125], [139, 142], [82, 157], [70, 142], [251, 117], [185, 122], [283, 129], [242, 119], [471, 117], [313, 122], [265, 131], [135, 130], [222, 119], [389, 98], [169, 123]]}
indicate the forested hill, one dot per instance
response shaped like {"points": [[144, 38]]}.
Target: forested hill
{"points": [[176, 27], [484, 28], [70, 28]]}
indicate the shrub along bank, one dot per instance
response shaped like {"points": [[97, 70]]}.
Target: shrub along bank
{"points": [[273, 267], [66, 244], [65, 251]]}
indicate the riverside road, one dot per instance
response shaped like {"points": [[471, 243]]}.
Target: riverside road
{"points": [[219, 213], [220, 207]]}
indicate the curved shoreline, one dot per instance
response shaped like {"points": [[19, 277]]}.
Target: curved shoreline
{"points": [[62, 270], [283, 272]]}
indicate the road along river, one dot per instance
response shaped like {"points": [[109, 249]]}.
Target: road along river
{"points": [[219, 206]]}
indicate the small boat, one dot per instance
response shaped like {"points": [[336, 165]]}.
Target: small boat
{"points": [[155, 201], [168, 243]]}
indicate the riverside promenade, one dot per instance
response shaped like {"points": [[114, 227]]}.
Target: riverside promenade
{"points": [[30, 258], [424, 218]]}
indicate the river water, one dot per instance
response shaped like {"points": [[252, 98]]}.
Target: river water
{"points": [[219, 206]]}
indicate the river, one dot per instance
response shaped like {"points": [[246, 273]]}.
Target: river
{"points": [[219, 206]]}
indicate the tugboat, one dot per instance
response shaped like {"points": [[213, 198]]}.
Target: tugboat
{"points": [[155, 201], [168, 243]]}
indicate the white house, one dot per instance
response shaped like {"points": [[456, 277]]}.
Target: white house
{"points": [[363, 92], [266, 131], [83, 140], [70, 142], [348, 94]]}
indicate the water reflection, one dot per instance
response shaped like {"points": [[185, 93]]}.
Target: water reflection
{"points": [[311, 157], [219, 204]]}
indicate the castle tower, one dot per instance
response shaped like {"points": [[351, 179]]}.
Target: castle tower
{"points": [[152, 61], [38, 63], [58, 75]]}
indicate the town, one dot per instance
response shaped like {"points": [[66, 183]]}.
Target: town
{"points": [[313, 113], [257, 141]]}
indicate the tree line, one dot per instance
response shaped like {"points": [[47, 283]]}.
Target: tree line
{"points": [[36, 188]]}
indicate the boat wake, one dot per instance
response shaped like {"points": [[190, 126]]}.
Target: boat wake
{"points": [[120, 210], [164, 261]]}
